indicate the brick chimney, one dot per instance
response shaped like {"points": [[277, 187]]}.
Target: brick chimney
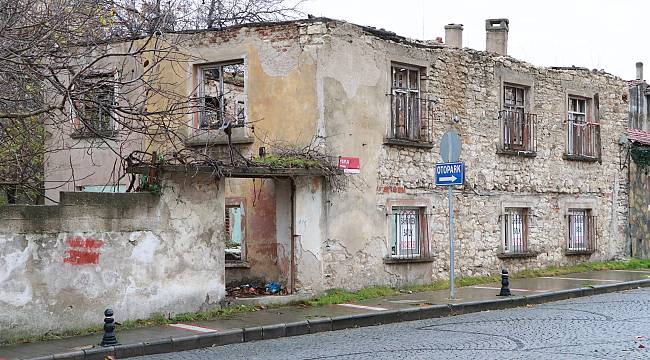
{"points": [[639, 71], [496, 36], [454, 35]]}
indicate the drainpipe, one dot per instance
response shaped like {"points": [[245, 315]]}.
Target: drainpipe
{"points": [[292, 261]]}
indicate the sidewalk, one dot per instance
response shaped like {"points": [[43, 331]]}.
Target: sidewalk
{"points": [[300, 320]]}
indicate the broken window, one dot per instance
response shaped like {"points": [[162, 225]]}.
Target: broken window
{"points": [[583, 130], [222, 95], [234, 229], [515, 228], [410, 238], [407, 106], [93, 102], [582, 230], [517, 126]]}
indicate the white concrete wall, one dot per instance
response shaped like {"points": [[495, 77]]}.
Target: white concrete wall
{"points": [[138, 254]]}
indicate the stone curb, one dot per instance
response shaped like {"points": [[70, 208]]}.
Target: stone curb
{"points": [[312, 326]]}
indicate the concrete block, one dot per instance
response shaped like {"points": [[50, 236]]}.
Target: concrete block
{"points": [[353, 321], [183, 343], [234, 336], [409, 314], [129, 350], [158, 346], [99, 353], [208, 340], [297, 328], [320, 325], [73, 355], [274, 331], [435, 311], [604, 289], [253, 333], [44, 357]]}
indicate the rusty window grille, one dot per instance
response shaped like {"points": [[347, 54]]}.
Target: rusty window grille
{"points": [[583, 133], [410, 233], [582, 231], [518, 131], [410, 113], [222, 95], [515, 230]]}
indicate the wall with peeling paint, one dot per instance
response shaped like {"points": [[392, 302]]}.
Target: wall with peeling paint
{"points": [[139, 254]]}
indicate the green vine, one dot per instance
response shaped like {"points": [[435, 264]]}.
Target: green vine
{"points": [[641, 155]]}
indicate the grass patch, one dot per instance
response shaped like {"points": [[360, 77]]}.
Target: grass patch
{"points": [[339, 296], [283, 162]]}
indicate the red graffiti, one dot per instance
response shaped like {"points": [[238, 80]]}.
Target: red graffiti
{"points": [[84, 251]]}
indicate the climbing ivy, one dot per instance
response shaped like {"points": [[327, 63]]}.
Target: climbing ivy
{"points": [[641, 155]]}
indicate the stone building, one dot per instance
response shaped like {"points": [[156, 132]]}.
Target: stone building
{"points": [[542, 147], [543, 182]]}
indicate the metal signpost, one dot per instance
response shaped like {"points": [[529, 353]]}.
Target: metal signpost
{"points": [[450, 173]]}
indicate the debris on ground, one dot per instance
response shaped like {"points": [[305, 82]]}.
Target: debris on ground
{"points": [[249, 290]]}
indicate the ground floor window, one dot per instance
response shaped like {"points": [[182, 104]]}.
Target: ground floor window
{"points": [[515, 228], [581, 230], [409, 235]]}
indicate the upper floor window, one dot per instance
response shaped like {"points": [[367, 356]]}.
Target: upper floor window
{"points": [[94, 105], [409, 111], [222, 95], [517, 127], [583, 129]]}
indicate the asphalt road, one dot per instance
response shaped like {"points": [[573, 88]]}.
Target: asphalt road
{"points": [[610, 326]]}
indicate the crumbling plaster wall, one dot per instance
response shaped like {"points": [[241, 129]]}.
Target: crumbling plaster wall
{"points": [[466, 83], [61, 266]]}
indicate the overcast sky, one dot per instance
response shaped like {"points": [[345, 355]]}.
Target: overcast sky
{"points": [[597, 34]]}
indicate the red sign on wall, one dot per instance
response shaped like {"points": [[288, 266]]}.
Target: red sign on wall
{"points": [[350, 165], [82, 251]]}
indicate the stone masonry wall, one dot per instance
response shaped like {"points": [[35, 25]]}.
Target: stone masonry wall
{"points": [[466, 83], [61, 266]]}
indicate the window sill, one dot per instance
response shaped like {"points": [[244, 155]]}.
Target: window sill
{"points": [[522, 153], [106, 134], [405, 142], [517, 255], [238, 265], [398, 260], [218, 137], [578, 252], [580, 158]]}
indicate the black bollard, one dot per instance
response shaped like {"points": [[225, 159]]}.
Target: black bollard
{"points": [[109, 338], [505, 283]]}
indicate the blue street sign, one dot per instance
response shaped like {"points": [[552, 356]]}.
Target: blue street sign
{"points": [[448, 174]]}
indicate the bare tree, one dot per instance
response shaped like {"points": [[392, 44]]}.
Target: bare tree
{"points": [[83, 66]]}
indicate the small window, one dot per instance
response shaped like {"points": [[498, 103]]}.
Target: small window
{"points": [[234, 229], [583, 129], [582, 231], [409, 111], [93, 105], [222, 95], [409, 233], [515, 229]]}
